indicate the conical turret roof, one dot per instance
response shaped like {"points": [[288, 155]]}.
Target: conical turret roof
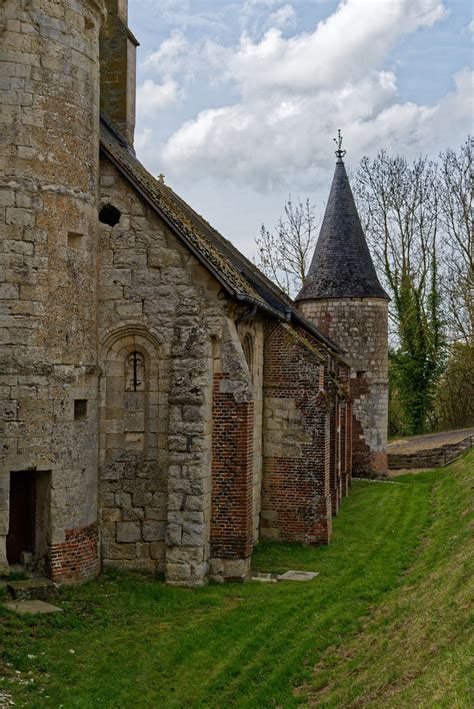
{"points": [[341, 265]]}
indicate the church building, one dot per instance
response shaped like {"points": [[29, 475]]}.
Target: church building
{"points": [[163, 405]]}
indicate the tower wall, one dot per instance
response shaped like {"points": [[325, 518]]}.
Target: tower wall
{"points": [[360, 326], [49, 121]]}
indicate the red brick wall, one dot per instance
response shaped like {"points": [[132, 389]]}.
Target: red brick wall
{"points": [[344, 469], [232, 480], [77, 558], [335, 455], [296, 501]]}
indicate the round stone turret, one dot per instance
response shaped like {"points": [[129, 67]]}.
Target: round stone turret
{"points": [[48, 285], [343, 297]]}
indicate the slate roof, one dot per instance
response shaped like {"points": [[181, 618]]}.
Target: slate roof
{"points": [[342, 266], [239, 276]]}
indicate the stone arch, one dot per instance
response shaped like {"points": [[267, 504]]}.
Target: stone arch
{"points": [[129, 419]]}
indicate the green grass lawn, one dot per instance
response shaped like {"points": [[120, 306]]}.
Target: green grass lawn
{"points": [[384, 624]]}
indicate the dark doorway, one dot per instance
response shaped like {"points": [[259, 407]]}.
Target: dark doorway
{"points": [[21, 531]]}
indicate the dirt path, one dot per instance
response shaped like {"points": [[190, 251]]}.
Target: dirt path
{"points": [[431, 440]]}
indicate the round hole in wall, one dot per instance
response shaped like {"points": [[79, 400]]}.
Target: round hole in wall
{"points": [[109, 215]]}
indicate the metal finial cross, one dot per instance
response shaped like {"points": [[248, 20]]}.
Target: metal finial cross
{"points": [[339, 152]]}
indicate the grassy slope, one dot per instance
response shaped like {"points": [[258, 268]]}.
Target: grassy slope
{"points": [[139, 643], [417, 649]]}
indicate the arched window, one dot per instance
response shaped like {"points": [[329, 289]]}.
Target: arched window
{"points": [[135, 372]]}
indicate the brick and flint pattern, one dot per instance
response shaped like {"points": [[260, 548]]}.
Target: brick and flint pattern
{"points": [[296, 496], [48, 255], [232, 525]]}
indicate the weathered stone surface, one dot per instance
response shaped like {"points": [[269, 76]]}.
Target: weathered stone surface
{"points": [[117, 342], [128, 532], [34, 607], [360, 326], [29, 589], [297, 576], [48, 192]]}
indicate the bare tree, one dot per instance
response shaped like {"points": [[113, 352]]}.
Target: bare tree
{"points": [[284, 254], [455, 213]]}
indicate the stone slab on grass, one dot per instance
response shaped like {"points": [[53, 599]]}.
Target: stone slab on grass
{"points": [[293, 575], [33, 606], [263, 577], [32, 588]]}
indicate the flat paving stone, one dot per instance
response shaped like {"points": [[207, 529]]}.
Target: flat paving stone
{"points": [[264, 577], [33, 606], [297, 575]]}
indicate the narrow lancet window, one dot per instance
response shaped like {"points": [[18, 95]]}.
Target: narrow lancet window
{"points": [[135, 372]]}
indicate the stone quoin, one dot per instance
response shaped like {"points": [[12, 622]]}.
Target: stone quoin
{"points": [[164, 406]]}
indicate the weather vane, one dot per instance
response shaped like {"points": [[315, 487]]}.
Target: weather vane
{"points": [[339, 152]]}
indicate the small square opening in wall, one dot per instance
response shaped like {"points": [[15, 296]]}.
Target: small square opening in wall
{"points": [[75, 240], [80, 409], [361, 374]]}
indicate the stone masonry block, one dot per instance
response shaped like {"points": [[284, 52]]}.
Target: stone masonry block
{"points": [[128, 532]]}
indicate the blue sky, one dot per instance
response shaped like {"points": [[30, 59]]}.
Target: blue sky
{"points": [[238, 100]]}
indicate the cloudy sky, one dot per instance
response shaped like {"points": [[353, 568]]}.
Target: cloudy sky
{"points": [[238, 100]]}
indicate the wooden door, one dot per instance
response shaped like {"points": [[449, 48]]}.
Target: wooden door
{"points": [[21, 531]]}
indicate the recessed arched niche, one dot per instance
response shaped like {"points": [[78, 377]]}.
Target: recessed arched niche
{"points": [[130, 396]]}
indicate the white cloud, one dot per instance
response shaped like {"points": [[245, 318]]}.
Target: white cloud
{"points": [[177, 56], [292, 94], [168, 57], [283, 17], [143, 138], [271, 138], [296, 92], [342, 48], [154, 98]]}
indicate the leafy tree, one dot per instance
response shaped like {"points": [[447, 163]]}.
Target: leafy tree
{"points": [[399, 206], [454, 405]]}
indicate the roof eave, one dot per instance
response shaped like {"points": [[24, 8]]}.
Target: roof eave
{"points": [[169, 222]]}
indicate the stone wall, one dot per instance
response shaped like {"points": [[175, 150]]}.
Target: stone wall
{"points": [[435, 457], [48, 258], [155, 477], [360, 327], [296, 499], [118, 69]]}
